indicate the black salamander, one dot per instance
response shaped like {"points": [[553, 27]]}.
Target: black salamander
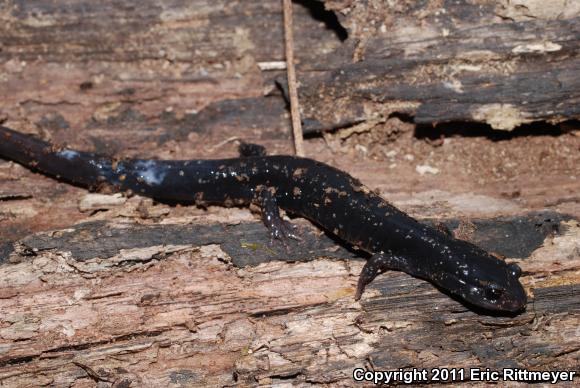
{"points": [[325, 195]]}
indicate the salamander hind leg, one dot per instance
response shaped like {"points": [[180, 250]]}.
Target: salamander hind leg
{"points": [[279, 228], [377, 264]]}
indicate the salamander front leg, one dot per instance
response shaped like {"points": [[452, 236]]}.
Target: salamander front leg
{"points": [[377, 264], [248, 150], [279, 229]]}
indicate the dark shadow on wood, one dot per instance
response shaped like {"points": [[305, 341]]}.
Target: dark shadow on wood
{"points": [[473, 129], [249, 243], [329, 18]]}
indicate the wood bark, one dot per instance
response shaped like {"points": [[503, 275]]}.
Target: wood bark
{"points": [[158, 305], [112, 291], [503, 63]]}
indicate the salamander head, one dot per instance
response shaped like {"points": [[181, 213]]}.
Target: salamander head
{"points": [[483, 280]]}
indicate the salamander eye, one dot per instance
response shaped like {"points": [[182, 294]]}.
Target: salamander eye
{"points": [[515, 270], [493, 293]]}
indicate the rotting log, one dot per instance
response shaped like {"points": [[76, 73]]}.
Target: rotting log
{"points": [[504, 63], [172, 304]]}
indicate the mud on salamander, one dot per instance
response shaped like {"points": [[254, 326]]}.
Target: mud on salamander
{"points": [[325, 195]]}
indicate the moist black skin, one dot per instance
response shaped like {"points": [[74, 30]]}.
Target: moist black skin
{"points": [[323, 194]]}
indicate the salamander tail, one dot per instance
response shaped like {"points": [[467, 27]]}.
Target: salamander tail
{"points": [[80, 168]]}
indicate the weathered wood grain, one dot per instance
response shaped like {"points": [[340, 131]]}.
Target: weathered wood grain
{"points": [[157, 305], [249, 244], [136, 298], [433, 61], [443, 61]]}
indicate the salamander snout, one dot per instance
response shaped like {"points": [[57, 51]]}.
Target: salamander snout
{"points": [[499, 290], [511, 299], [483, 280]]}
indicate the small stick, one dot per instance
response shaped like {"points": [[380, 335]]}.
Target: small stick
{"points": [[291, 71]]}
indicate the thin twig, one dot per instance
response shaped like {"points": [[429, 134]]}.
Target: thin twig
{"points": [[291, 71]]}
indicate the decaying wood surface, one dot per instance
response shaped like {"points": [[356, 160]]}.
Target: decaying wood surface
{"points": [[500, 62], [504, 63], [169, 304], [99, 290]]}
